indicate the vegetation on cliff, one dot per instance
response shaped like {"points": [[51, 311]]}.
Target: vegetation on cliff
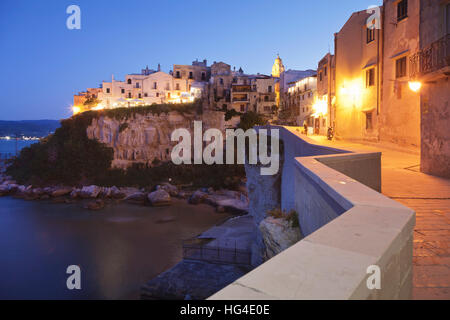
{"points": [[69, 157], [251, 119]]}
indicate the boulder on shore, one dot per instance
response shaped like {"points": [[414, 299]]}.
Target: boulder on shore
{"points": [[90, 191], [169, 188], [278, 235], [137, 197], [59, 192], [198, 197], [159, 198]]}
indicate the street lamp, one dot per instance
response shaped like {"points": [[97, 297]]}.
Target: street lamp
{"points": [[414, 85]]}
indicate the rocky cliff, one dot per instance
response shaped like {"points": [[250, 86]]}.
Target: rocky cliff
{"points": [[144, 138]]}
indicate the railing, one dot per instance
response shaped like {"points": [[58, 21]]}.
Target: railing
{"points": [[430, 59], [216, 254]]}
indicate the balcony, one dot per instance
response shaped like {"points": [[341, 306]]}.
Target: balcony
{"points": [[432, 60], [241, 88]]}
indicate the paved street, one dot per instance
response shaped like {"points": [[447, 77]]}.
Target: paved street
{"points": [[429, 196]]}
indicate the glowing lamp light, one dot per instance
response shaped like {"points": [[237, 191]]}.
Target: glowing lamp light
{"points": [[99, 107], [76, 109], [415, 85], [320, 107]]}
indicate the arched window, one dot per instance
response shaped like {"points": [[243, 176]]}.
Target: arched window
{"points": [[129, 81]]}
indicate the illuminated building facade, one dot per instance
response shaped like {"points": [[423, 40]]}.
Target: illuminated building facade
{"points": [[185, 84], [357, 82], [326, 76]]}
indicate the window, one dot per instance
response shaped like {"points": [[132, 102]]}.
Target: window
{"points": [[191, 75], [402, 10], [108, 90], [325, 71], [320, 76], [157, 94], [221, 81], [140, 96], [178, 75], [269, 89], [129, 94], [155, 85], [266, 98], [146, 94], [370, 77], [203, 76], [129, 81], [123, 91], [242, 108], [400, 68], [369, 124], [177, 86], [370, 35]]}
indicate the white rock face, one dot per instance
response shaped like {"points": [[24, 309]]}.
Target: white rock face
{"points": [[144, 138], [278, 235]]}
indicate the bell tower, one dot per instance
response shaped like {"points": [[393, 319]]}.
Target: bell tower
{"points": [[278, 67]]}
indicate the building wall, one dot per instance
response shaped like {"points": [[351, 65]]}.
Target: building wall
{"points": [[435, 110], [400, 113], [326, 85], [265, 87], [220, 86], [356, 103]]}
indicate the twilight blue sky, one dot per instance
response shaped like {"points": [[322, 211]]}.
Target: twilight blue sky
{"points": [[42, 63]]}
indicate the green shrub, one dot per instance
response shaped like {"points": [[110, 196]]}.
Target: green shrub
{"points": [[123, 127], [139, 175], [67, 156], [231, 113], [291, 216], [251, 119]]}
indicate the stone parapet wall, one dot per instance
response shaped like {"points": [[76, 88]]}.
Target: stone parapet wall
{"points": [[349, 227]]}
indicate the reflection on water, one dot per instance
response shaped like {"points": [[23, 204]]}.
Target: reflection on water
{"points": [[118, 248]]}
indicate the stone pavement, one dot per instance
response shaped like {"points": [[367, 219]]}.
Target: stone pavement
{"points": [[429, 197]]}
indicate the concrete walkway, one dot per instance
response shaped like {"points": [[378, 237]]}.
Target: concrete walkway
{"points": [[429, 196]]}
